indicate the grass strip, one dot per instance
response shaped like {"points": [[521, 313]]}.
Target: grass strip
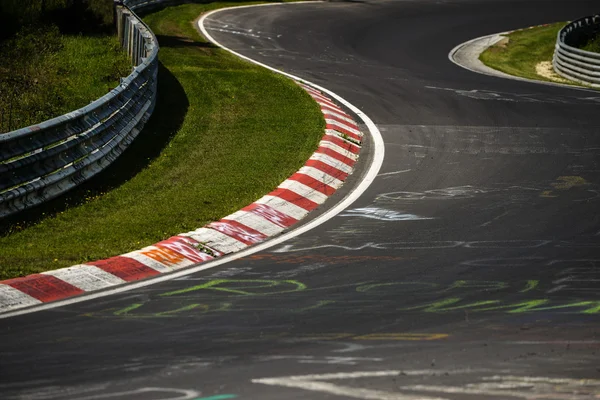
{"points": [[523, 51], [224, 133], [44, 74]]}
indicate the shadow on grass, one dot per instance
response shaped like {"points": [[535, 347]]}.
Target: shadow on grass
{"points": [[169, 113], [178, 42]]}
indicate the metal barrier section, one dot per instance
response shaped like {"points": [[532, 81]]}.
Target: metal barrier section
{"points": [[573, 63], [40, 162]]}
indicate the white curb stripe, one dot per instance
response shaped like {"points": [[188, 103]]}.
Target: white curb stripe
{"points": [[343, 117], [304, 191], [343, 122], [148, 262], [327, 107], [310, 89], [339, 149], [321, 176], [322, 99], [332, 162], [86, 277], [11, 298], [319, 96], [217, 240], [344, 126], [339, 134], [255, 222], [283, 206]]}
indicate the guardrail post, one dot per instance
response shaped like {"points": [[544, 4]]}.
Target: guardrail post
{"points": [[119, 21]]}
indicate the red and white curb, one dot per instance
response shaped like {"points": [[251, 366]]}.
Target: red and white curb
{"points": [[291, 201]]}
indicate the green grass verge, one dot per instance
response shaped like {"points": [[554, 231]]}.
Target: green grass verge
{"points": [[524, 50], [224, 133], [43, 79]]}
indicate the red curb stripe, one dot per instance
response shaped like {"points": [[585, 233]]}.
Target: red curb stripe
{"points": [[323, 99], [341, 121], [325, 106], [344, 131], [331, 108], [318, 95], [334, 154], [239, 232], [45, 288], [270, 214], [312, 183], [310, 89], [294, 198], [125, 268], [351, 147], [186, 246], [328, 169]]}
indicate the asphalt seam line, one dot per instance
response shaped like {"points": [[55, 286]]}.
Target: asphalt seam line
{"points": [[229, 238]]}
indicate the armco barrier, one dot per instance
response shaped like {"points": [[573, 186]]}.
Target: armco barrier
{"points": [[573, 63], [40, 162]]}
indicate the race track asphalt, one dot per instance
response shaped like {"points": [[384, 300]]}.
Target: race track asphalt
{"points": [[468, 270]]}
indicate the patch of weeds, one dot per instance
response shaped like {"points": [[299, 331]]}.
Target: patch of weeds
{"points": [[44, 74], [351, 140]]}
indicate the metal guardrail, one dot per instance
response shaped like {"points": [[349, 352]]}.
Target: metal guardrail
{"points": [[42, 161], [573, 63]]}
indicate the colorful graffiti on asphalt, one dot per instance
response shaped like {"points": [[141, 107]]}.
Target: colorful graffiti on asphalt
{"points": [[286, 296]]}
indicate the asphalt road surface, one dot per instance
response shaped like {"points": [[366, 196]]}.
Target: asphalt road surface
{"points": [[468, 270]]}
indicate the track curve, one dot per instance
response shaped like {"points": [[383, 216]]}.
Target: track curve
{"points": [[467, 270]]}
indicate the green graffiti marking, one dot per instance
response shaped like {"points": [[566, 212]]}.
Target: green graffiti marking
{"points": [[175, 303], [592, 307], [320, 303], [199, 309], [370, 287], [219, 286], [126, 310], [182, 309], [483, 285], [531, 285]]}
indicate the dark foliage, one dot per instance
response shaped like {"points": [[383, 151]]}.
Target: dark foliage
{"points": [[70, 16]]}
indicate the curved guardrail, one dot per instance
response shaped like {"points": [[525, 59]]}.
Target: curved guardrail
{"points": [[573, 63], [40, 162]]}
